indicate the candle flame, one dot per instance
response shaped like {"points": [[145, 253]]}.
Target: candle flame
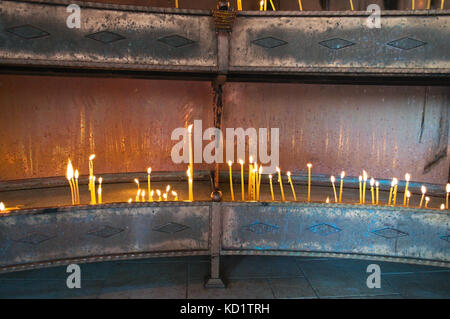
{"points": [[328, 200], [2, 207], [342, 174], [151, 193], [241, 162], [365, 175], [427, 199], [138, 192], [100, 181], [407, 177], [130, 200], [394, 182], [229, 163], [69, 173], [423, 189], [167, 188], [442, 206], [377, 183], [251, 159], [143, 193], [136, 181], [309, 165], [447, 188], [91, 157], [165, 195], [408, 194], [76, 174], [158, 192], [188, 172], [260, 170], [332, 178], [270, 176], [261, 2], [278, 169], [372, 181], [360, 178], [149, 170], [190, 128], [174, 193]]}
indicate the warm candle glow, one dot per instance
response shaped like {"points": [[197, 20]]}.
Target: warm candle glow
{"points": [[143, 195], [271, 187], [242, 180], [77, 190], [427, 200], [191, 165], [259, 182], [250, 178], [130, 200], [158, 192], [138, 196], [231, 180], [333, 179], [442, 206], [174, 194], [137, 182], [149, 171], [167, 188], [281, 183], [341, 187], [327, 200], [165, 197], [394, 194], [408, 195], [372, 183], [292, 186], [99, 191], [447, 189], [424, 191], [309, 165], [360, 189], [151, 195], [69, 176], [407, 178], [2, 207], [377, 185], [365, 176]]}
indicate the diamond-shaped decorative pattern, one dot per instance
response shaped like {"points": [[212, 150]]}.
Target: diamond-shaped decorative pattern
{"points": [[336, 43], [105, 37], [389, 233], [260, 228], [406, 43], [170, 228], [324, 229], [269, 42], [34, 238], [446, 238], [176, 41], [105, 231], [28, 32]]}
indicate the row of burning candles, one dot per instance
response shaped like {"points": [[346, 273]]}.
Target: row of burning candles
{"points": [[254, 185]]}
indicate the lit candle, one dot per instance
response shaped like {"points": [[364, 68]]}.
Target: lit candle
{"points": [[191, 195], [261, 5], [176, 4], [427, 200], [281, 183], [100, 190], [424, 191], [394, 195], [390, 191], [137, 182], [77, 190], [231, 181], [242, 179], [2, 208], [442, 206], [351, 5], [360, 189], [412, 4], [265, 5], [130, 200], [342, 184], [69, 175], [138, 196], [239, 5], [191, 165], [364, 187], [309, 181], [447, 188], [271, 187], [333, 179], [377, 185], [372, 184], [327, 200], [259, 182], [151, 195], [174, 194], [408, 195], [250, 178], [149, 171], [428, 4], [91, 165], [300, 7], [254, 177], [168, 188], [407, 177], [143, 195], [442, 4], [158, 192], [165, 197], [292, 185]]}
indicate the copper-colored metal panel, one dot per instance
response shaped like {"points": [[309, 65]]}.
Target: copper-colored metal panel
{"points": [[127, 123], [387, 130]]}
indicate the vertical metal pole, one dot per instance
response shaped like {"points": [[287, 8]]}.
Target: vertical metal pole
{"points": [[216, 225]]}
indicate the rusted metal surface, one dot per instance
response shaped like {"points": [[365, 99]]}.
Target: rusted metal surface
{"points": [[113, 38], [395, 233], [386, 130], [45, 235], [127, 123], [296, 42]]}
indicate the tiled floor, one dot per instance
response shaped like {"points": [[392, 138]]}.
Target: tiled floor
{"points": [[245, 276]]}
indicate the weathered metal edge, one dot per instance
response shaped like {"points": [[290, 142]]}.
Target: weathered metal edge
{"points": [[336, 255], [348, 13]]}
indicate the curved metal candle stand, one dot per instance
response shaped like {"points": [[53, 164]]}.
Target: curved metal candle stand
{"points": [[49, 237]]}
